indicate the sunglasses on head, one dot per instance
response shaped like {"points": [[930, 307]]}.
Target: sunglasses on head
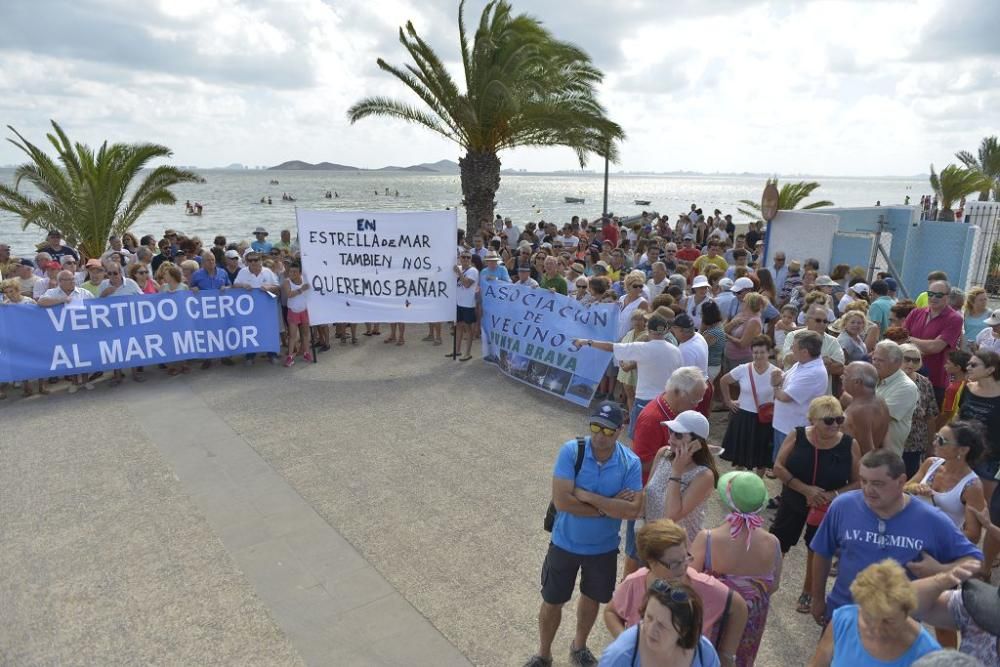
{"points": [[676, 595], [830, 421], [597, 428]]}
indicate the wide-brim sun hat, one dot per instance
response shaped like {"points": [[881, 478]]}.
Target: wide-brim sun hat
{"points": [[260, 230], [993, 319], [699, 281]]}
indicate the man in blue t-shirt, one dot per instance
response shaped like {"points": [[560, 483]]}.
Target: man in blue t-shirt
{"points": [[591, 504], [879, 522]]}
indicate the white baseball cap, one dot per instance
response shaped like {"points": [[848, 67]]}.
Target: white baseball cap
{"points": [[860, 288], [726, 284], [699, 281], [741, 284], [689, 421]]}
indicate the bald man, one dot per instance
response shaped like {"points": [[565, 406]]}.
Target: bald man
{"points": [[866, 415]]}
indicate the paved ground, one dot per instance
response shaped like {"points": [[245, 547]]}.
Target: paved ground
{"points": [[381, 507]]}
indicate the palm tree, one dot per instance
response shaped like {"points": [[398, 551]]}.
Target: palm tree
{"points": [[86, 198], [789, 197], [987, 164], [523, 87], [952, 184]]}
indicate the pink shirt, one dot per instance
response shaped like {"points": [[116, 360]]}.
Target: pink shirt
{"points": [[629, 593], [947, 326]]}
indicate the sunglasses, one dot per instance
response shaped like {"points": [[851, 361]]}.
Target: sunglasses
{"points": [[143, 271], [913, 360], [597, 428], [936, 295], [941, 442], [660, 587], [830, 421], [115, 273]]}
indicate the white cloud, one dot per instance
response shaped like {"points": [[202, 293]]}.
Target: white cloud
{"points": [[866, 87]]}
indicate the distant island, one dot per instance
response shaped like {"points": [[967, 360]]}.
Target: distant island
{"points": [[439, 167]]}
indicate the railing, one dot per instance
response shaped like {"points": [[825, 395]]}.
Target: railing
{"points": [[985, 268]]}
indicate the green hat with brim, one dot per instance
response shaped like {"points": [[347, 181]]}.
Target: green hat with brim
{"points": [[742, 491]]}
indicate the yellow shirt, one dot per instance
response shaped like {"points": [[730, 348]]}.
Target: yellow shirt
{"points": [[717, 261]]}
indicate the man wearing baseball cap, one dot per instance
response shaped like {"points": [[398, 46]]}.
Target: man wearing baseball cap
{"points": [[56, 248], [597, 482], [688, 253], [881, 307]]}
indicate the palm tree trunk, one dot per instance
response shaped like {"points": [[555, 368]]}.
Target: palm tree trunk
{"points": [[480, 182]]}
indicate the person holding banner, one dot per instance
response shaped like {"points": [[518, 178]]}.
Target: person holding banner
{"points": [[465, 316], [11, 296], [68, 294], [256, 276]]}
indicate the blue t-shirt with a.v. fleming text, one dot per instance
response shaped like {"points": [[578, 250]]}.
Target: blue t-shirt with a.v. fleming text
{"points": [[863, 539]]}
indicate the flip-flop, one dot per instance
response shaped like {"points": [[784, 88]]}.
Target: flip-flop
{"points": [[465, 358], [804, 604]]}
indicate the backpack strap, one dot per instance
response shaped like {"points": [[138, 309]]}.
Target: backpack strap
{"points": [[581, 445]]}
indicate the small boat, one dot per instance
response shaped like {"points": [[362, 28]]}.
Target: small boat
{"points": [[574, 200], [642, 202]]}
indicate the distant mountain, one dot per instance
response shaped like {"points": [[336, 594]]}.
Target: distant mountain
{"points": [[439, 167]]}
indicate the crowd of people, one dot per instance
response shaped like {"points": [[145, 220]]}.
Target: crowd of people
{"points": [[879, 416]]}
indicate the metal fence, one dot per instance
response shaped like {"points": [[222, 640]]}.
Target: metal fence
{"points": [[985, 268]]}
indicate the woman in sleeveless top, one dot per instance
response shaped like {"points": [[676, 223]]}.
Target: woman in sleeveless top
{"points": [[742, 329], [683, 475], [747, 560], [815, 464], [947, 479]]}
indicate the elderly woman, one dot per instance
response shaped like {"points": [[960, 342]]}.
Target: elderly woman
{"points": [[747, 560], [11, 296], [815, 464], [632, 300], [664, 546], [627, 373], [139, 272], [851, 337], [877, 629], [924, 416], [669, 634], [748, 440]]}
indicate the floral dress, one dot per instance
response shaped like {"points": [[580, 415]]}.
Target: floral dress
{"points": [[926, 407]]}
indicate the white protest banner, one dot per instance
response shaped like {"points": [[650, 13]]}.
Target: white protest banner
{"points": [[374, 266]]}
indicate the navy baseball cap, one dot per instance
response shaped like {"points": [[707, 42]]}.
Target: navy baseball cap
{"points": [[609, 414]]}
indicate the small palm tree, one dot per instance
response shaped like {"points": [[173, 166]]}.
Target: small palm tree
{"points": [[952, 184], [789, 197], [987, 163], [523, 87], [86, 198]]}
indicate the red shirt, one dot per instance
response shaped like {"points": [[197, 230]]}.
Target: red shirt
{"points": [[947, 326], [610, 233], [688, 254], [650, 435]]}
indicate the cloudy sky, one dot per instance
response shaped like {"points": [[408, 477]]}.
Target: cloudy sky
{"points": [[868, 87]]}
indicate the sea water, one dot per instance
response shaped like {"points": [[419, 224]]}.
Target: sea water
{"points": [[232, 208]]}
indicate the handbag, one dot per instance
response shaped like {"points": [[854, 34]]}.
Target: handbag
{"points": [[765, 411], [550, 514], [816, 514]]}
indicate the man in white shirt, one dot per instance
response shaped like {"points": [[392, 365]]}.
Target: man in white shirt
{"points": [[465, 316], [67, 293], [26, 278], [655, 359], [256, 276], [796, 388], [833, 353], [659, 281], [116, 284], [694, 353], [510, 232]]}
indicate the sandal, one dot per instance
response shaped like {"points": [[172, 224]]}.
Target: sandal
{"points": [[465, 358], [804, 604]]}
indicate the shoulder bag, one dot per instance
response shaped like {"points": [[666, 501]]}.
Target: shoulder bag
{"points": [[765, 411]]}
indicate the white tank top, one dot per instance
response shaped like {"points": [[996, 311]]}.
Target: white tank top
{"points": [[297, 303], [949, 502]]}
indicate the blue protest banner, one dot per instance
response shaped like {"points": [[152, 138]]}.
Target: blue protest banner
{"points": [[102, 334], [529, 333]]}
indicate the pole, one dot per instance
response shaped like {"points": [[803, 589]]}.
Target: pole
{"points": [[604, 213]]}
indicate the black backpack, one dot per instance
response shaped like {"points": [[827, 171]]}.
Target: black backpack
{"points": [[550, 513]]}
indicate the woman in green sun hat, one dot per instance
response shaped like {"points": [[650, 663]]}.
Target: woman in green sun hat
{"points": [[744, 558]]}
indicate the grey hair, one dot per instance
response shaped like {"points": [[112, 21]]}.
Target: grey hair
{"points": [[910, 347], [143, 253], [866, 374], [892, 349], [685, 379], [661, 265], [947, 658]]}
